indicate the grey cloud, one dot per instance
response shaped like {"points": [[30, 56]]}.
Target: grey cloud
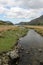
{"points": [[31, 3], [15, 8]]}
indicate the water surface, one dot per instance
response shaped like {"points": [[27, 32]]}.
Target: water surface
{"points": [[32, 44]]}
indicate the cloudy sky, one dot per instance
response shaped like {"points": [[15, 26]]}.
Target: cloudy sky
{"points": [[20, 10]]}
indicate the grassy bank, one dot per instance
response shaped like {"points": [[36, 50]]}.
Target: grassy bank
{"points": [[38, 29], [9, 36]]}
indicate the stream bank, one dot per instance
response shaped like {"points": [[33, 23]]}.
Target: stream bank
{"points": [[10, 57]]}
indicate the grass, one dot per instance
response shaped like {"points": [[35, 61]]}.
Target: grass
{"points": [[9, 37], [38, 29]]}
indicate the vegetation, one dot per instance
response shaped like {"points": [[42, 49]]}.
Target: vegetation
{"points": [[38, 29], [9, 36]]}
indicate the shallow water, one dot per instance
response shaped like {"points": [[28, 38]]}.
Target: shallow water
{"points": [[32, 53]]}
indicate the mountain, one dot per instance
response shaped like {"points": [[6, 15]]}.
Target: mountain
{"points": [[37, 21], [5, 23]]}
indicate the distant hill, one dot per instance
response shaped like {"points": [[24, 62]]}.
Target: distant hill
{"points": [[37, 21], [5, 23]]}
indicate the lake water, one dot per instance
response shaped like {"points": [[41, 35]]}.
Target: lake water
{"points": [[32, 53]]}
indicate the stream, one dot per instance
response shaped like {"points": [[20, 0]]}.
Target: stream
{"points": [[32, 49]]}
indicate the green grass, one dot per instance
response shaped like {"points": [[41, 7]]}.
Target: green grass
{"points": [[10, 37]]}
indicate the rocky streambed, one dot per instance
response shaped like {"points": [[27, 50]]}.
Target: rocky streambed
{"points": [[11, 57]]}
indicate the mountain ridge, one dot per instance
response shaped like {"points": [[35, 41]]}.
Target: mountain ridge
{"points": [[5, 22], [37, 21]]}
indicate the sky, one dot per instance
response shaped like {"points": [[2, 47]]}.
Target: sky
{"points": [[20, 10]]}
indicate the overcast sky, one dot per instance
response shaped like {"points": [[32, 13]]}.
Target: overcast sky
{"points": [[20, 10]]}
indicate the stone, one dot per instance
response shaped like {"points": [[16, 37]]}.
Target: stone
{"points": [[11, 55], [28, 52], [5, 59], [22, 48], [5, 64], [14, 54], [40, 50], [0, 61]]}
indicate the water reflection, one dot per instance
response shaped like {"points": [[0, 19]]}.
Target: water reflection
{"points": [[32, 44]]}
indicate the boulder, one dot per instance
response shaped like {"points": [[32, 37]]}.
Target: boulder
{"points": [[14, 54]]}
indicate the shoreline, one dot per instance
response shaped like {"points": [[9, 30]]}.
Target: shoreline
{"points": [[11, 56]]}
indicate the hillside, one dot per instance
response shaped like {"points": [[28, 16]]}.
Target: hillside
{"points": [[37, 21], [5, 23]]}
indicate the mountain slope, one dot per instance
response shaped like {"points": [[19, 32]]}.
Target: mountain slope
{"points": [[37, 21], [5, 23]]}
